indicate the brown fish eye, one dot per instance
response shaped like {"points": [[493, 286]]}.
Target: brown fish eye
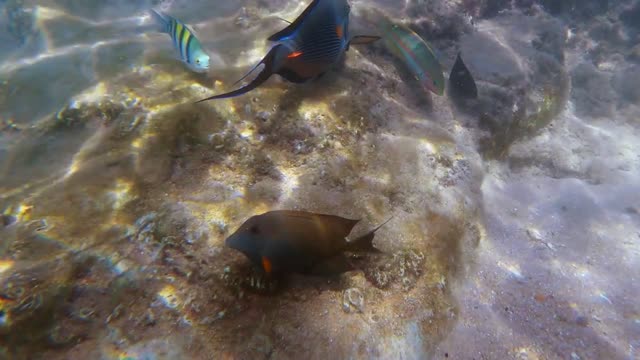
{"points": [[254, 229]]}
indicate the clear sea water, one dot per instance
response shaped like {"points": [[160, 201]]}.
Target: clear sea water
{"points": [[515, 230]]}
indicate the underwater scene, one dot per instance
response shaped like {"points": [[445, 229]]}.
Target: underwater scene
{"points": [[320, 179]]}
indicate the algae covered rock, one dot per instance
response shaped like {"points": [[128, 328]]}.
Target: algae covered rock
{"points": [[592, 92], [137, 188], [32, 296], [521, 77]]}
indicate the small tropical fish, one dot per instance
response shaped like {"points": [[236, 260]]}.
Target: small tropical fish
{"points": [[307, 47], [461, 82], [184, 41], [415, 53], [285, 241]]}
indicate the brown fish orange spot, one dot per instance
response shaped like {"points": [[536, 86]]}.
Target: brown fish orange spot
{"points": [[339, 31], [266, 264], [294, 54]]}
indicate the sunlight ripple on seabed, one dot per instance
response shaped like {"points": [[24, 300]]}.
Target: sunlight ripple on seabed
{"points": [[67, 50], [43, 14]]}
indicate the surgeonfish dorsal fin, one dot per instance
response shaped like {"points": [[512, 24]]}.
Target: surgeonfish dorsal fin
{"points": [[294, 25]]}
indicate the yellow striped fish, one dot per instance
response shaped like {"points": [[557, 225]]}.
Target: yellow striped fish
{"points": [[184, 41]]}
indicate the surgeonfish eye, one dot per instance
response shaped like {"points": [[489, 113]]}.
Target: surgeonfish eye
{"points": [[198, 61], [254, 229]]}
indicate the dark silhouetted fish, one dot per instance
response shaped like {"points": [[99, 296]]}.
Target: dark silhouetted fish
{"points": [[461, 82], [283, 241], [307, 47]]}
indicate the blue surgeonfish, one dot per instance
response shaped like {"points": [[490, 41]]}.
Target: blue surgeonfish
{"points": [[307, 47], [184, 41]]}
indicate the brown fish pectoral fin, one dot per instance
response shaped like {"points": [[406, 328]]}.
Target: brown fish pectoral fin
{"points": [[365, 242], [334, 265]]}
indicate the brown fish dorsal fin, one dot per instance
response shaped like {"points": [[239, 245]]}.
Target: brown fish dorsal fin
{"points": [[344, 225], [295, 24]]}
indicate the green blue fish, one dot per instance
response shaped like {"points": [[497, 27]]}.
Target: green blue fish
{"points": [[184, 41], [308, 47], [415, 53]]}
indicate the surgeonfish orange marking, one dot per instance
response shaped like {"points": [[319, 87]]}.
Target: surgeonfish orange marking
{"points": [[294, 54], [339, 31]]}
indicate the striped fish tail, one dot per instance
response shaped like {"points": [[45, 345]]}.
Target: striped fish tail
{"points": [[163, 21]]}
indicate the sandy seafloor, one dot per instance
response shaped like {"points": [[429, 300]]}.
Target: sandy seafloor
{"points": [[516, 217]]}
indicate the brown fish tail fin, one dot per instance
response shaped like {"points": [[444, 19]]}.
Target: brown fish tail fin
{"points": [[365, 242]]}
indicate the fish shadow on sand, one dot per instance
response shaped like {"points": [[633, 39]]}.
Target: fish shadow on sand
{"points": [[240, 276]]}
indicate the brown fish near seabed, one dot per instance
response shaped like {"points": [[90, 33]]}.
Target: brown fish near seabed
{"points": [[285, 241]]}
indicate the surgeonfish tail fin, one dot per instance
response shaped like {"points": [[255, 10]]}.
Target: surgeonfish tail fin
{"points": [[268, 62], [365, 242], [162, 20], [247, 74]]}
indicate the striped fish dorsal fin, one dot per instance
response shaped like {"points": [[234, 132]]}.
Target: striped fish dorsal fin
{"points": [[294, 25]]}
